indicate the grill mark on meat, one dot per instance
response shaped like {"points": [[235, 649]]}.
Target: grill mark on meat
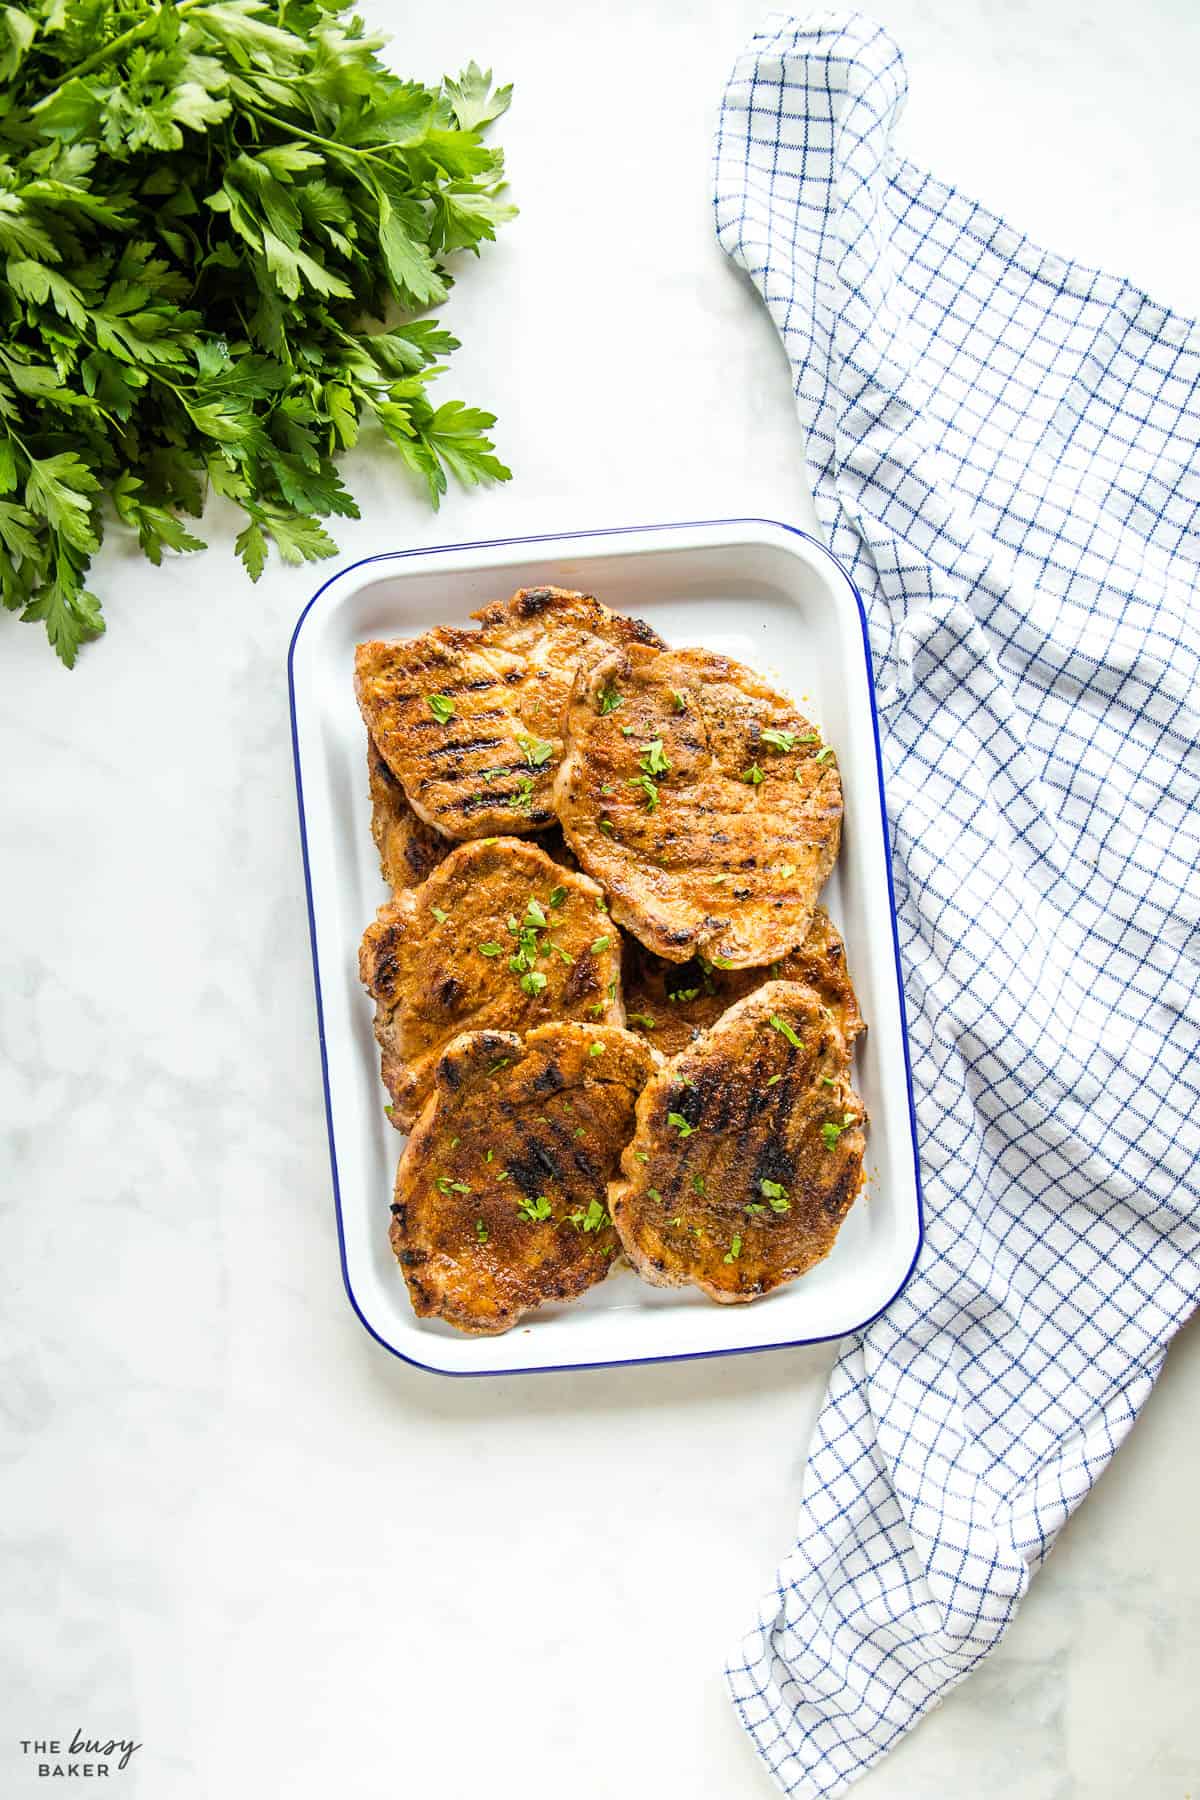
{"points": [[460, 747], [549, 1081]]}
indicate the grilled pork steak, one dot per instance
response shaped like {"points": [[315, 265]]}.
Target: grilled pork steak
{"points": [[675, 1002], [703, 802], [498, 937], [748, 1151], [469, 721], [500, 1200]]}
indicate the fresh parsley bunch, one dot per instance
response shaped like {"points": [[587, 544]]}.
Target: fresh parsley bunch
{"points": [[207, 211]]}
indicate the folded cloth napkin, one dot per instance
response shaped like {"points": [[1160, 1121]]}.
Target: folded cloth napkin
{"points": [[1005, 453]]}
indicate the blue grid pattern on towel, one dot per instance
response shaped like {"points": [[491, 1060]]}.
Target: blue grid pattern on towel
{"points": [[1005, 452]]}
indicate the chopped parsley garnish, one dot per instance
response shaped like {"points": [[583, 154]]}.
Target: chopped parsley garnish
{"points": [[504, 1175], [389, 1110], [722, 962], [654, 761], [533, 915], [578, 1131], [606, 827], [501, 1062], [648, 788], [698, 1184], [557, 896], [594, 1219], [628, 730], [754, 1207], [601, 943], [557, 950], [533, 982], [442, 707], [537, 751], [608, 699], [607, 789], [489, 949], [734, 1251], [680, 1123], [596, 1050], [523, 798], [828, 1081], [642, 1019], [455, 1142], [773, 1190], [753, 775], [641, 1156], [679, 699], [810, 737], [481, 1231], [597, 1007], [831, 1131], [444, 1185], [439, 914], [786, 869], [772, 1079], [654, 1193], [534, 1209], [822, 754], [779, 740], [785, 1030], [682, 995], [602, 904]]}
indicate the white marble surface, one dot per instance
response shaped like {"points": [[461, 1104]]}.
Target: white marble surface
{"points": [[231, 1524]]}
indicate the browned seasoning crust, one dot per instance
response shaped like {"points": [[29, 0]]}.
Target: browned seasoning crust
{"points": [[486, 766], [500, 1194], [722, 852], [409, 849], [433, 977], [745, 1187], [675, 1002]]}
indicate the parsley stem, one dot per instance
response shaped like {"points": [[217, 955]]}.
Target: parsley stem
{"points": [[324, 143]]}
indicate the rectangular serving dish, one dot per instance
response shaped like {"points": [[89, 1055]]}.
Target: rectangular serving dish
{"points": [[753, 589]]}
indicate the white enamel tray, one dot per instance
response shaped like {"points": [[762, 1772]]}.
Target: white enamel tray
{"points": [[748, 588]]}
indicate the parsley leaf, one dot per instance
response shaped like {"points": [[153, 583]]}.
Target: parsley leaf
{"points": [[654, 762], [441, 707], [734, 1251], [537, 751], [680, 1123], [785, 1030], [648, 788], [534, 1209], [608, 699], [779, 740], [594, 1219], [207, 212]]}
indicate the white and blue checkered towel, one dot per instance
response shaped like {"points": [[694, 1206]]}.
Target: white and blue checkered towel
{"points": [[1005, 453]]}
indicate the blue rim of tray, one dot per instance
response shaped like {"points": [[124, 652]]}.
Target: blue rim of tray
{"points": [[553, 537]]}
